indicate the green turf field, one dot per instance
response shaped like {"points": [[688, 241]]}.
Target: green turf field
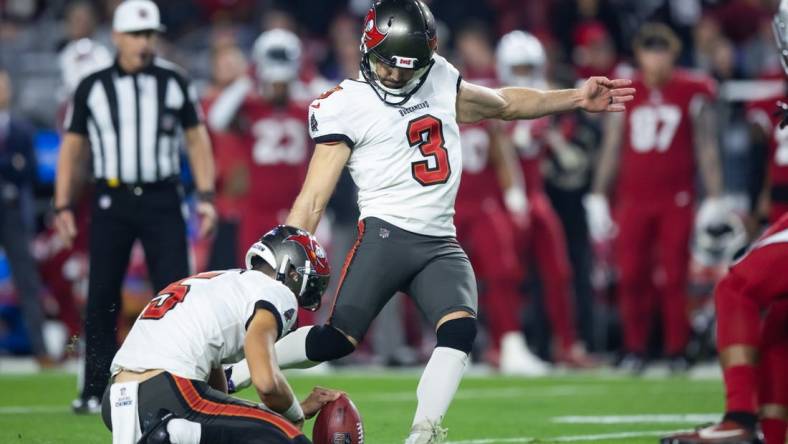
{"points": [[34, 408]]}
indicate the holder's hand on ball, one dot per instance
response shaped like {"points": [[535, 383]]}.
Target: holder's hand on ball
{"points": [[317, 399]]}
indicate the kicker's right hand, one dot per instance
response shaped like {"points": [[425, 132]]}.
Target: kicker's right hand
{"points": [[65, 226], [600, 223]]}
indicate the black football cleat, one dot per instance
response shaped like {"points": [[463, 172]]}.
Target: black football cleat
{"points": [[725, 432], [154, 428]]}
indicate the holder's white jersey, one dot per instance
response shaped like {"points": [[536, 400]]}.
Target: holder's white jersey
{"points": [[406, 160], [199, 323]]}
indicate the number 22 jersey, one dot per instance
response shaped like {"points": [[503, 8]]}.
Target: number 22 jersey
{"points": [[406, 160], [199, 323], [658, 156]]}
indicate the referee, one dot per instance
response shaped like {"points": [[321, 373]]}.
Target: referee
{"points": [[132, 113]]}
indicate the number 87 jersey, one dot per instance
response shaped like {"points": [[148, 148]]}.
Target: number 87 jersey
{"points": [[406, 160], [658, 156]]}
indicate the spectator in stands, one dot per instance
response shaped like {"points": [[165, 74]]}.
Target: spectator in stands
{"points": [[17, 175]]}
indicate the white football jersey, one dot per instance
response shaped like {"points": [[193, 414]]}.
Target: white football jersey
{"points": [[406, 160], [199, 323]]}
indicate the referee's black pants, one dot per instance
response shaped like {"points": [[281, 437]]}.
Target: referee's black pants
{"points": [[120, 215]]}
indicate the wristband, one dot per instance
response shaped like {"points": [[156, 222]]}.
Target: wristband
{"points": [[295, 413], [206, 196], [60, 209]]}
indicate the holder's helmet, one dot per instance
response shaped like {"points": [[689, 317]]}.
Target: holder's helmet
{"points": [[299, 261]]}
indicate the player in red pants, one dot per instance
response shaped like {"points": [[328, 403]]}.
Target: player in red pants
{"points": [[756, 283], [657, 147], [521, 61], [772, 370]]}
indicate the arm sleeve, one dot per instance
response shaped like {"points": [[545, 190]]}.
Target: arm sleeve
{"points": [[326, 123], [78, 112]]}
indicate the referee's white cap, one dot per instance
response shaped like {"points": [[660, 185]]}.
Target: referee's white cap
{"points": [[137, 15]]}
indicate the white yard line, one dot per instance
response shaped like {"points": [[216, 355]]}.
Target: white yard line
{"points": [[492, 393], [571, 438], [689, 418], [31, 409]]}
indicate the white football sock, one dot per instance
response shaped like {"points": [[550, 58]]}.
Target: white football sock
{"points": [[439, 383], [240, 375], [183, 431], [291, 350]]}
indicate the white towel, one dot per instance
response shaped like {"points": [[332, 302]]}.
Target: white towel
{"points": [[125, 413]]}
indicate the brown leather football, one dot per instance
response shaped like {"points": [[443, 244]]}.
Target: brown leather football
{"points": [[338, 423]]}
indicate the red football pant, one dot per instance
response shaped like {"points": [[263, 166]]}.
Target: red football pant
{"points": [[652, 234], [773, 370], [546, 244], [254, 223], [486, 233]]}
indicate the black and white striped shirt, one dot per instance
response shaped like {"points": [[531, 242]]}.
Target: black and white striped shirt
{"points": [[135, 121]]}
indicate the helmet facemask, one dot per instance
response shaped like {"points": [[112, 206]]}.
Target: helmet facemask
{"points": [[392, 96], [304, 282]]}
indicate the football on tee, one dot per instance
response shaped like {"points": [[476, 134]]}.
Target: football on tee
{"points": [[338, 422]]}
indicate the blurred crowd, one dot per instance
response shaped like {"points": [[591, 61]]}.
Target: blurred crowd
{"points": [[43, 42]]}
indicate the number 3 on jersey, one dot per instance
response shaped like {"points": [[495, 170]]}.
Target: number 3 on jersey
{"points": [[171, 296], [426, 133]]}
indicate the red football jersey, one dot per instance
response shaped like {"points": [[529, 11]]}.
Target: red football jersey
{"points": [[658, 158], [479, 179], [527, 136], [763, 114], [762, 268], [278, 149]]}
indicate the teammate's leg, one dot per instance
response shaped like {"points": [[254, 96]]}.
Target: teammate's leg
{"points": [[445, 291], [772, 368], [633, 254], [675, 228]]}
